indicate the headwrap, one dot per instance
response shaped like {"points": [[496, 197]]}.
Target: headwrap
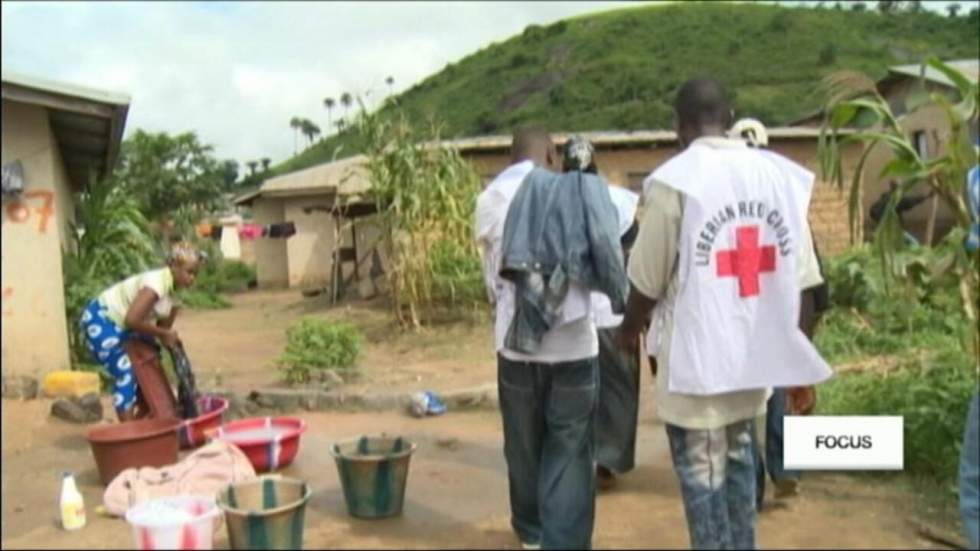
{"points": [[578, 154], [183, 253]]}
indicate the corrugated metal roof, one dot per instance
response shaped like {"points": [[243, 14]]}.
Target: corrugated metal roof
{"points": [[86, 123], [969, 68], [601, 139], [66, 88], [345, 177]]}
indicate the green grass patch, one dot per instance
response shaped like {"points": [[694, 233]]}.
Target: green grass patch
{"points": [[315, 346]]}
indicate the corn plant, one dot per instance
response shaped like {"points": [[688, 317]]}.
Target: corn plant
{"points": [[425, 197], [855, 103]]}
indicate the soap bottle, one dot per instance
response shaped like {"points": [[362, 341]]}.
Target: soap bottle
{"points": [[72, 505]]}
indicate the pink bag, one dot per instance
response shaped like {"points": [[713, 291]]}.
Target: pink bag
{"points": [[204, 473]]}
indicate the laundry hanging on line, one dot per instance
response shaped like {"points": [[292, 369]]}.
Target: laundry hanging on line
{"points": [[250, 231], [204, 229], [282, 230]]}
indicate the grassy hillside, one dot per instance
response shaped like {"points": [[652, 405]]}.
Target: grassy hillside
{"points": [[620, 69]]}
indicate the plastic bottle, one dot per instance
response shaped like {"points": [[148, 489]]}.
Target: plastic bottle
{"points": [[72, 504]]}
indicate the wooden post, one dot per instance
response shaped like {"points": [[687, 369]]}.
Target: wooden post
{"points": [[931, 226], [335, 293]]}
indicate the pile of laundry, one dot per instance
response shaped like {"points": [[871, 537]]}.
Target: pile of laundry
{"points": [[281, 230]]}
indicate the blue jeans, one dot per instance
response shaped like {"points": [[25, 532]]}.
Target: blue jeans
{"points": [[970, 475], [775, 411], [717, 475], [548, 412]]}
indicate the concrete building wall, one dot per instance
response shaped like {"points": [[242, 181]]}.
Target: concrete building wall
{"points": [[34, 329], [629, 167], [309, 251], [931, 122], [271, 265]]}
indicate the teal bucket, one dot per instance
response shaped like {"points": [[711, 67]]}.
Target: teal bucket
{"points": [[373, 472], [266, 513]]}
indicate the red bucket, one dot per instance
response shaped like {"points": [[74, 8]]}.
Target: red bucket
{"points": [[212, 409], [270, 443]]}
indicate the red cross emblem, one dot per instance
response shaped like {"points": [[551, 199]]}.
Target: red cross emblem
{"points": [[747, 260]]}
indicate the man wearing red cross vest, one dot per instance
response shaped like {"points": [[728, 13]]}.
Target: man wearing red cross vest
{"points": [[723, 252]]}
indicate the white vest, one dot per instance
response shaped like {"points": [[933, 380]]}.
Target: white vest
{"points": [[738, 302]]}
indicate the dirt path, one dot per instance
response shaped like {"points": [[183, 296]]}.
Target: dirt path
{"points": [[456, 498], [236, 348]]}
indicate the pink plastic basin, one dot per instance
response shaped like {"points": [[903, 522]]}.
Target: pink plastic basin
{"points": [[269, 443]]}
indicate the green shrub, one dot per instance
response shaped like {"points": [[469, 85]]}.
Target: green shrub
{"points": [[315, 346], [932, 397]]}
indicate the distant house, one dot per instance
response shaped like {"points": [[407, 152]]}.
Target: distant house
{"points": [[927, 129], [55, 137], [626, 158], [330, 203], [329, 206]]}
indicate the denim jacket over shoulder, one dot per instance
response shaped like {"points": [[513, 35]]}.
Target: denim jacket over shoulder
{"points": [[559, 228]]}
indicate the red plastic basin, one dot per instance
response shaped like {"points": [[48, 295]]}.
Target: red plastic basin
{"points": [[144, 443], [269, 443], [212, 409]]}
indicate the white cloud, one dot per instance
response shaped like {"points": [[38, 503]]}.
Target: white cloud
{"points": [[237, 72]]}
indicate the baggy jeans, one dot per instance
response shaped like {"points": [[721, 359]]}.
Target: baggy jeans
{"points": [[969, 476], [548, 415], [716, 470]]}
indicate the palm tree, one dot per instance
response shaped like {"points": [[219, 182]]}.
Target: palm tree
{"points": [[310, 130], [251, 167], [341, 124], [346, 100], [265, 164], [953, 10], [390, 81], [329, 103], [296, 124]]}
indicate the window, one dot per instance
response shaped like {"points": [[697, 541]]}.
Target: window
{"points": [[921, 143]]}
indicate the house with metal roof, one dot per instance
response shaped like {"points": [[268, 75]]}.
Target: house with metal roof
{"points": [[56, 137], [331, 204], [928, 130]]}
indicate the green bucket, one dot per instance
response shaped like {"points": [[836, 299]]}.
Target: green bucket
{"points": [[373, 472], [266, 513]]}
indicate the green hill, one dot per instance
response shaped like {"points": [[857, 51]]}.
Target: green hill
{"points": [[620, 69]]}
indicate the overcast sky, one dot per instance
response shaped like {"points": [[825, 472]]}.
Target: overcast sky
{"points": [[237, 72]]}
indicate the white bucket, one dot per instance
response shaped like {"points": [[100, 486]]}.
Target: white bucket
{"points": [[179, 522]]}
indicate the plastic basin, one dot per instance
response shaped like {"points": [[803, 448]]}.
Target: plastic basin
{"points": [[192, 431], [177, 522], [270, 443], [374, 473], [143, 443], [267, 513]]}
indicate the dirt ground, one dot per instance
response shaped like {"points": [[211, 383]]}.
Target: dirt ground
{"points": [[456, 496], [236, 348]]}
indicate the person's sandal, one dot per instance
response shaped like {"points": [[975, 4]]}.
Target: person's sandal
{"points": [[789, 487], [605, 479]]}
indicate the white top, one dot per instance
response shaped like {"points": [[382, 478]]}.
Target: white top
{"points": [[625, 202], [118, 298], [651, 271], [575, 337], [736, 313]]}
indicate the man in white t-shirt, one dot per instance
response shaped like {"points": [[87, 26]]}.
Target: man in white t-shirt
{"points": [[547, 399], [745, 261]]}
